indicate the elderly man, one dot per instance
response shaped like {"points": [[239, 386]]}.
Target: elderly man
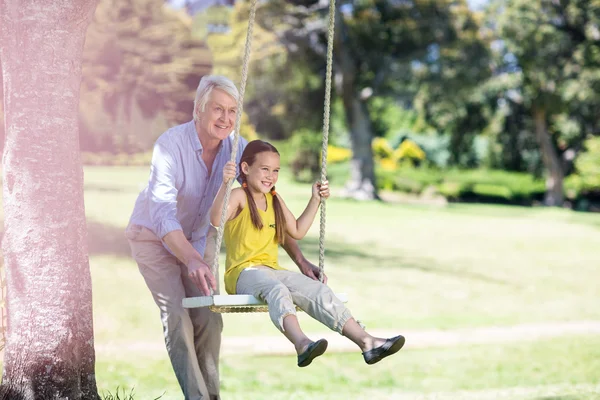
{"points": [[168, 233]]}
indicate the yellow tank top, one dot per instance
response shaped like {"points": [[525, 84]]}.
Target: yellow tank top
{"points": [[247, 246]]}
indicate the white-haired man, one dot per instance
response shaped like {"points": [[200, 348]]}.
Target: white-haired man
{"points": [[168, 232]]}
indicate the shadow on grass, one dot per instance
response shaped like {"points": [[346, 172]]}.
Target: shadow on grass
{"points": [[340, 251], [568, 397], [104, 239], [107, 239], [110, 240], [104, 188]]}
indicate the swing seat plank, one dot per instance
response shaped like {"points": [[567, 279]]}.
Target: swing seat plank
{"points": [[232, 303]]}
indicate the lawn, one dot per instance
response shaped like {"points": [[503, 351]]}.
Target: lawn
{"points": [[403, 267]]}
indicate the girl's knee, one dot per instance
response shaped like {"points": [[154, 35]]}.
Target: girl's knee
{"points": [[277, 291]]}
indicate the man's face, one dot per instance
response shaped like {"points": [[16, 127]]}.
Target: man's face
{"points": [[217, 120]]}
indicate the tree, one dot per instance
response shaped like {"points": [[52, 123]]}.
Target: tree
{"points": [[450, 96], [555, 44], [49, 345], [377, 44], [140, 63]]}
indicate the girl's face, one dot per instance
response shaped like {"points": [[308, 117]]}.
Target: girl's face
{"points": [[262, 175]]}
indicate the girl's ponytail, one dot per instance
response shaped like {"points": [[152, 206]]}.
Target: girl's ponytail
{"points": [[279, 218], [254, 215]]}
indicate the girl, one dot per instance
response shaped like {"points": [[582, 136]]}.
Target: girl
{"points": [[257, 221]]}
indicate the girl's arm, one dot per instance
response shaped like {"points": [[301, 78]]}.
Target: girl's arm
{"points": [[297, 228], [234, 199]]}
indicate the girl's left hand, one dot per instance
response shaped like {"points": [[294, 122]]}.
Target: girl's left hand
{"points": [[320, 190]]}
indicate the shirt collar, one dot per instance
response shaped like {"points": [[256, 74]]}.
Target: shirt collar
{"points": [[193, 136]]}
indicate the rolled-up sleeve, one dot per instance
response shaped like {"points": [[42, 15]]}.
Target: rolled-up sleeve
{"points": [[163, 191]]}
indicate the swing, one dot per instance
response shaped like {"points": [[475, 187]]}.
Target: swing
{"points": [[247, 303]]}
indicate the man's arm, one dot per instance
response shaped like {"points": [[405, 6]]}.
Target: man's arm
{"points": [[198, 269], [163, 214], [306, 267]]}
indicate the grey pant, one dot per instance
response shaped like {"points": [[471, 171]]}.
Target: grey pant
{"points": [[282, 290], [192, 336]]}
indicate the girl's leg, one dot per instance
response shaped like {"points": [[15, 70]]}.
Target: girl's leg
{"points": [[316, 299], [319, 301], [263, 284], [353, 331], [292, 331]]}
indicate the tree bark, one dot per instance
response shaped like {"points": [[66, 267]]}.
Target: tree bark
{"points": [[49, 344], [362, 184], [552, 163]]}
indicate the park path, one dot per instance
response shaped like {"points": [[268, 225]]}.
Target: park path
{"points": [[415, 339]]}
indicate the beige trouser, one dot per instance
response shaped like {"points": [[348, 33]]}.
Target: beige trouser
{"points": [[192, 336], [282, 290]]}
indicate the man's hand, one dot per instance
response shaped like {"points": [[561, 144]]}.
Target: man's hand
{"points": [[229, 171], [199, 272], [312, 271]]}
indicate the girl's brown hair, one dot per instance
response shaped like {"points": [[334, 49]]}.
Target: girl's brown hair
{"points": [[249, 156]]}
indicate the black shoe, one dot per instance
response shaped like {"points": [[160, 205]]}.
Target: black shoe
{"points": [[390, 347], [314, 350]]}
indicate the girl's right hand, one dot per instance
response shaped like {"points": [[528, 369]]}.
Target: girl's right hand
{"points": [[229, 171]]}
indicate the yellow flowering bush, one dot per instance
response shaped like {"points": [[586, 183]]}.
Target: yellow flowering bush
{"points": [[409, 150], [388, 164], [338, 154], [381, 148]]}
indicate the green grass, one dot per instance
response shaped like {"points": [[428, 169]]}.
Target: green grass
{"points": [[403, 267], [565, 361]]}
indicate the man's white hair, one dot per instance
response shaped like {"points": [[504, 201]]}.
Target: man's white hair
{"points": [[206, 86]]}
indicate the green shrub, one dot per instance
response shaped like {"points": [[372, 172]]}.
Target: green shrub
{"points": [[451, 190], [461, 185], [381, 148], [305, 162], [587, 176], [491, 190]]}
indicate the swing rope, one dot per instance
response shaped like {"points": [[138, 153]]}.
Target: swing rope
{"points": [[236, 136], [326, 112]]}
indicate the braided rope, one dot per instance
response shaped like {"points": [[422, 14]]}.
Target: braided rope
{"points": [[236, 137], [243, 309], [326, 113]]}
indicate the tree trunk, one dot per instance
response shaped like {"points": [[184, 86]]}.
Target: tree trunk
{"points": [[362, 185], [552, 163], [49, 344]]}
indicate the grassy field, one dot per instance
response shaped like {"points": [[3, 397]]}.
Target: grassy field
{"points": [[403, 267]]}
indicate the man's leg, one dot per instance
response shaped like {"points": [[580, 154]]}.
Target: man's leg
{"points": [[162, 273], [208, 327]]}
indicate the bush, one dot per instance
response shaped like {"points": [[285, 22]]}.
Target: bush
{"points": [[463, 185], [586, 180], [381, 148], [337, 155], [305, 162], [410, 151], [492, 191]]}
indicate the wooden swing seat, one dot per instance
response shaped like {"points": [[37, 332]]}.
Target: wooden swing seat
{"points": [[235, 303]]}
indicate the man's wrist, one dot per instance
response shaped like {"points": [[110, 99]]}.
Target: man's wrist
{"points": [[194, 264]]}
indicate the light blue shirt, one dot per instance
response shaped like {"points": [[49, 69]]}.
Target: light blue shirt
{"points": [[180, 192]]}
